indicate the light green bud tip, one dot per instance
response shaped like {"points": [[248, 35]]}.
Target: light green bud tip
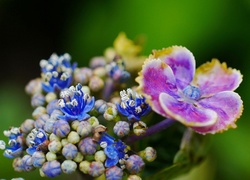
{"points": [[51, 156], [55, 146], [84, 167], [139, 128], [68, 166], [111, 114], [73, 137], [100, 156]]}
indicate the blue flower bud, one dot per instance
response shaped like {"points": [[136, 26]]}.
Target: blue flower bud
{"points": [[101, 106], [52, 168], [56, 114], [61, 128], [114, 173], [48, 126], [98, 61], [38, 159], [87, 146], [27, 163], [96, 169], [96, 83], [17, 164], [37, 100], [134, 164], [34, 86], [84, 128], [27, 126], [121, 128], [69, 151], [40, 110], [82, 75], [40, 122], [52, 105]]}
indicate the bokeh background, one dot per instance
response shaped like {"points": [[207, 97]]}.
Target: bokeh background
{"points": [[33, 30]]}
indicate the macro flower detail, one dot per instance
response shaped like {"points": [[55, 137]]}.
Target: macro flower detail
{"points": [[38, 141], [16, 143], [56, 72], [75, 104], [114, 150], [203, 100], [133, 105], [116, 70]]}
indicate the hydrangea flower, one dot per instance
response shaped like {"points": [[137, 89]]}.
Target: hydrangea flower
{"points": [[75, 104], [16, 143], [133, 105], [37, 138], [114, 150], [203, 100], [57, 72]]}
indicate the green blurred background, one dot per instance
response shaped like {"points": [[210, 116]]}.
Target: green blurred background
{"points": [[33, 30]]}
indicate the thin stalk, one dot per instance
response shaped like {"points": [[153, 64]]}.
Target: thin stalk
{"points": [[151, 130]]}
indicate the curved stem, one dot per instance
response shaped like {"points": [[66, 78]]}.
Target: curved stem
{"points": [[108, 89], [151, 130]]}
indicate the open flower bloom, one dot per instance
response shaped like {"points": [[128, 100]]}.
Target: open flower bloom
{"points": [[114, 150], [201, 99], [56, 72], [75, 104]]}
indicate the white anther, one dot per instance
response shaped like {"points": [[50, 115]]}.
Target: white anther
{"points": [[53, 56], [61, 103], [130, 92], [55, 74], [131, 103], [123, 105], [43, 63], [2, 144], [15, 130], [74, 102], [48, 76], [65, 94], [7, 151], [12, 142], [123, 166], [49, 67], [67, 56], [64, 76], [32, 143], [103, 144], [40, 135], [124, 96], [86, 96], [34, 131], [138, 109], [72, 88], [7, 133]]}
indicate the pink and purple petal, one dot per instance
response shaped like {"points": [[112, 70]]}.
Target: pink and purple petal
{"points": [[228, 105], [181, 61], [214, 77], [188, 114], [156, 77]]}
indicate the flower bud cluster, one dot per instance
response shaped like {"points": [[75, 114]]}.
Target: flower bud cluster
{"points": [[68, 129]]}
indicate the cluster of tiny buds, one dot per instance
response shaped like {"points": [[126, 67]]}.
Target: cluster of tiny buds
{"points": [[66, 132]]}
